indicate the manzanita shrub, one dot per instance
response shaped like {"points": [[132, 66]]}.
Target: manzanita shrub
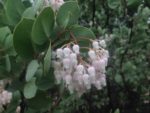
{"points": [[43, 45], [50, 63]]}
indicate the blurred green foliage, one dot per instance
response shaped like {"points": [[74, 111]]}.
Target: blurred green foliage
{"points": [[125, 24]]}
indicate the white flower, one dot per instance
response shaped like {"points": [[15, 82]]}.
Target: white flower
{"points": [[106, 54], [59, 53], [56, 4], [57, 65], [18, 109], [74, 63], [66, 63], [76, 49], [91, 71], [103, 81], [86, 80], [73, 56], [80, 79], [58, 76], [68, 79], [80, 69], [95, 45], [5, 97], [66, 52], [98, 85], [92, 54], [102, 43], [99, 65]]}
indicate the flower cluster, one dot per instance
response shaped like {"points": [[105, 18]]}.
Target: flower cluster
{"points": [[79, 73], [55, 4], [5, 98]]}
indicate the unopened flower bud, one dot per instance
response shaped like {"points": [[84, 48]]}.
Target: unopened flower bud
{"points": [[74, 63], [92, 54], [68, 79], [59, 53], [56, 64], [95, 45], [91, 70], [98, 84], [66, 52], [80, 79], [73, 56], [66, 63], [80, 69], [76, 49], [99, 65], [103, 81], [56, 4], [86, 80], [102, 43]]}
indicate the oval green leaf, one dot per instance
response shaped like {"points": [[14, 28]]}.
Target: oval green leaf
{"points": [[82, 35], [14, 10], [47, 60], [43, 26], [30, 89], [68, 14], [31, 69], [22, 38]]}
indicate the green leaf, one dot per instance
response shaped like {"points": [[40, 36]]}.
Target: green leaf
{"points": [[22, 38], [113, 4], [68, 14], [38, 5], [4, 32], [31, 69], [46, 82], [47, 60], [134, 2], [8, 64], [14, 10], [133, 5], [40, 101], [30, 89], [29, 110], [84, 32], [17, 84], [6, 41], [43, 26], [118, 78], [82, 35], [9, 47], [117, 111], [29, 13]]}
